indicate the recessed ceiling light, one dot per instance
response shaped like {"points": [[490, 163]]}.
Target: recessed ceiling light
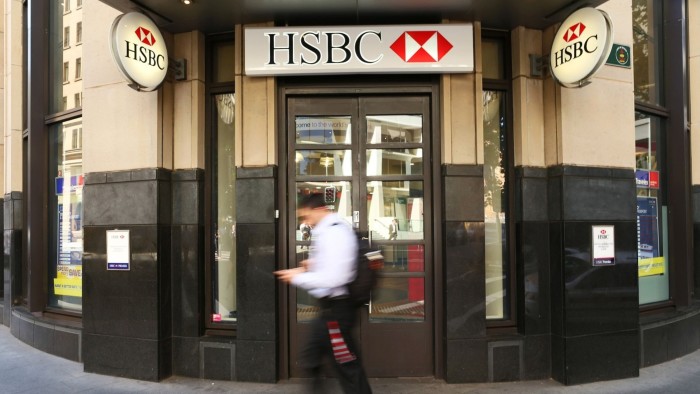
{"points": [[187, 2]]}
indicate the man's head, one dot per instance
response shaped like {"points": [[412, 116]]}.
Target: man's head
{"points": [[312, 208]]}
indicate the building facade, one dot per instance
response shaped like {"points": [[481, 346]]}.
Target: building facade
{"points": [[529, 230]]}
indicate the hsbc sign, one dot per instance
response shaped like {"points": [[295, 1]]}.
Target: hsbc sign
{"points": [[139, 50], [580, 47], [356, 49]]}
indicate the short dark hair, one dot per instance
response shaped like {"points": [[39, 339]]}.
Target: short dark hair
{"points": [[312, 201]]}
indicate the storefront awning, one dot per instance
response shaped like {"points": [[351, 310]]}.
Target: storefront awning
{"points": [[212, 16]]}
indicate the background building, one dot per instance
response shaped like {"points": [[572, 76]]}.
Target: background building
{"points": [[484, 188]]}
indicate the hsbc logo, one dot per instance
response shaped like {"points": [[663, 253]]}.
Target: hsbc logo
{"points": [[356, 49], [145, 36], [574, 31], [580, 47], [139, 50], [421, 46]]}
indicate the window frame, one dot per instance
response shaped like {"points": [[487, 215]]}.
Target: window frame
{"points": [[212, 89], [676, 137], [504, 85], [35, 255]]}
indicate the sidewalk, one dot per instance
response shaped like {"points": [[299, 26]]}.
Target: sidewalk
{"points": [[24, 369]]}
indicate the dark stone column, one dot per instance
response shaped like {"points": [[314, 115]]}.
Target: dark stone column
{"points": [[532, 263], [256, 344], [187, 268], [12, 260], [595, 311], [127, 329], [464, 283]]}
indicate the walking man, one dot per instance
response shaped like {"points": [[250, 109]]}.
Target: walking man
{"points": [[325, 275]]}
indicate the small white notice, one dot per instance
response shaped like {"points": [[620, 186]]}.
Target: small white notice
{"points": [[603, 245], [118, 250]]}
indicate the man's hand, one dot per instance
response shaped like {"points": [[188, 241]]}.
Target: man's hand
{"points": [[286, 276]]}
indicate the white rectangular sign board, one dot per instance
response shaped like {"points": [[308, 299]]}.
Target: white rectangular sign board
{"points": [[118, 250], [603, 245], [359, 49]]}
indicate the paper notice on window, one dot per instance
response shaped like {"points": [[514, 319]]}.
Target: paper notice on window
{"points": [[118, 250]]}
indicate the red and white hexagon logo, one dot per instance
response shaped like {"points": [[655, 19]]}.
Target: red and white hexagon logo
{"points": [[574, 31], [145, 36], [421, 46]]}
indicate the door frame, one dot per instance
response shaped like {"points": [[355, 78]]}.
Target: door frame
{"points": [[385, 84]]}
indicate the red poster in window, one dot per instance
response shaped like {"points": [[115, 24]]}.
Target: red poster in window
{"points": [[653, 179]]}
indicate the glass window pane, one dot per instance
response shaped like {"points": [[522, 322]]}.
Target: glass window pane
{"points": [[323, 130], [492, 58], [399, 201], [223, 61], [397, 300], [652, 211], [223, 271], [495, 204], [62, 55], [394, 128], [394, 162], [66, 182], [647, 50], [403, 258], [324, 162]]}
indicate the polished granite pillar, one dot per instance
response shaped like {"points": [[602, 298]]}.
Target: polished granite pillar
{"points": [[466, 347], [256, 337], [595, 311], [127, 315]]}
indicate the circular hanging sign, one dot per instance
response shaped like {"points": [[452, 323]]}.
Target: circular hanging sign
{"points": [[139, 50], [580, 47]]}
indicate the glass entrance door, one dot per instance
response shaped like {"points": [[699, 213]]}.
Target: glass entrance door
{"points": [[368, 155]]}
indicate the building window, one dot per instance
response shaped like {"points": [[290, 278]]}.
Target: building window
{"points": [[64, 226], [497, 163], [79, 33], [79, 3], [221, 273], [66, 215], [66, 37], [653, 254], [65, 72], [647, 33]]}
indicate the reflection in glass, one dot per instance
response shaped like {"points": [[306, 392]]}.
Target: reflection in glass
{"points": [[403, 258], [394, 161], [337, 196], [647, 29], [652, 210], [495, 204], [394, 128], [223, 271], [64, 56], [66, 184], [395, 209], [323, 130], [323, 162], [398, 300]]}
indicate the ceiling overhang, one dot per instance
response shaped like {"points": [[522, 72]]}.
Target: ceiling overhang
{"points": [[216, 16]]}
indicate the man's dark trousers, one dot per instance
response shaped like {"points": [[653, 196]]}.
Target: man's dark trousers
{"points": [[331, 337]]}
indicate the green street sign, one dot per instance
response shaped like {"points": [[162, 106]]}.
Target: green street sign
{"points": [[620, 56]]}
